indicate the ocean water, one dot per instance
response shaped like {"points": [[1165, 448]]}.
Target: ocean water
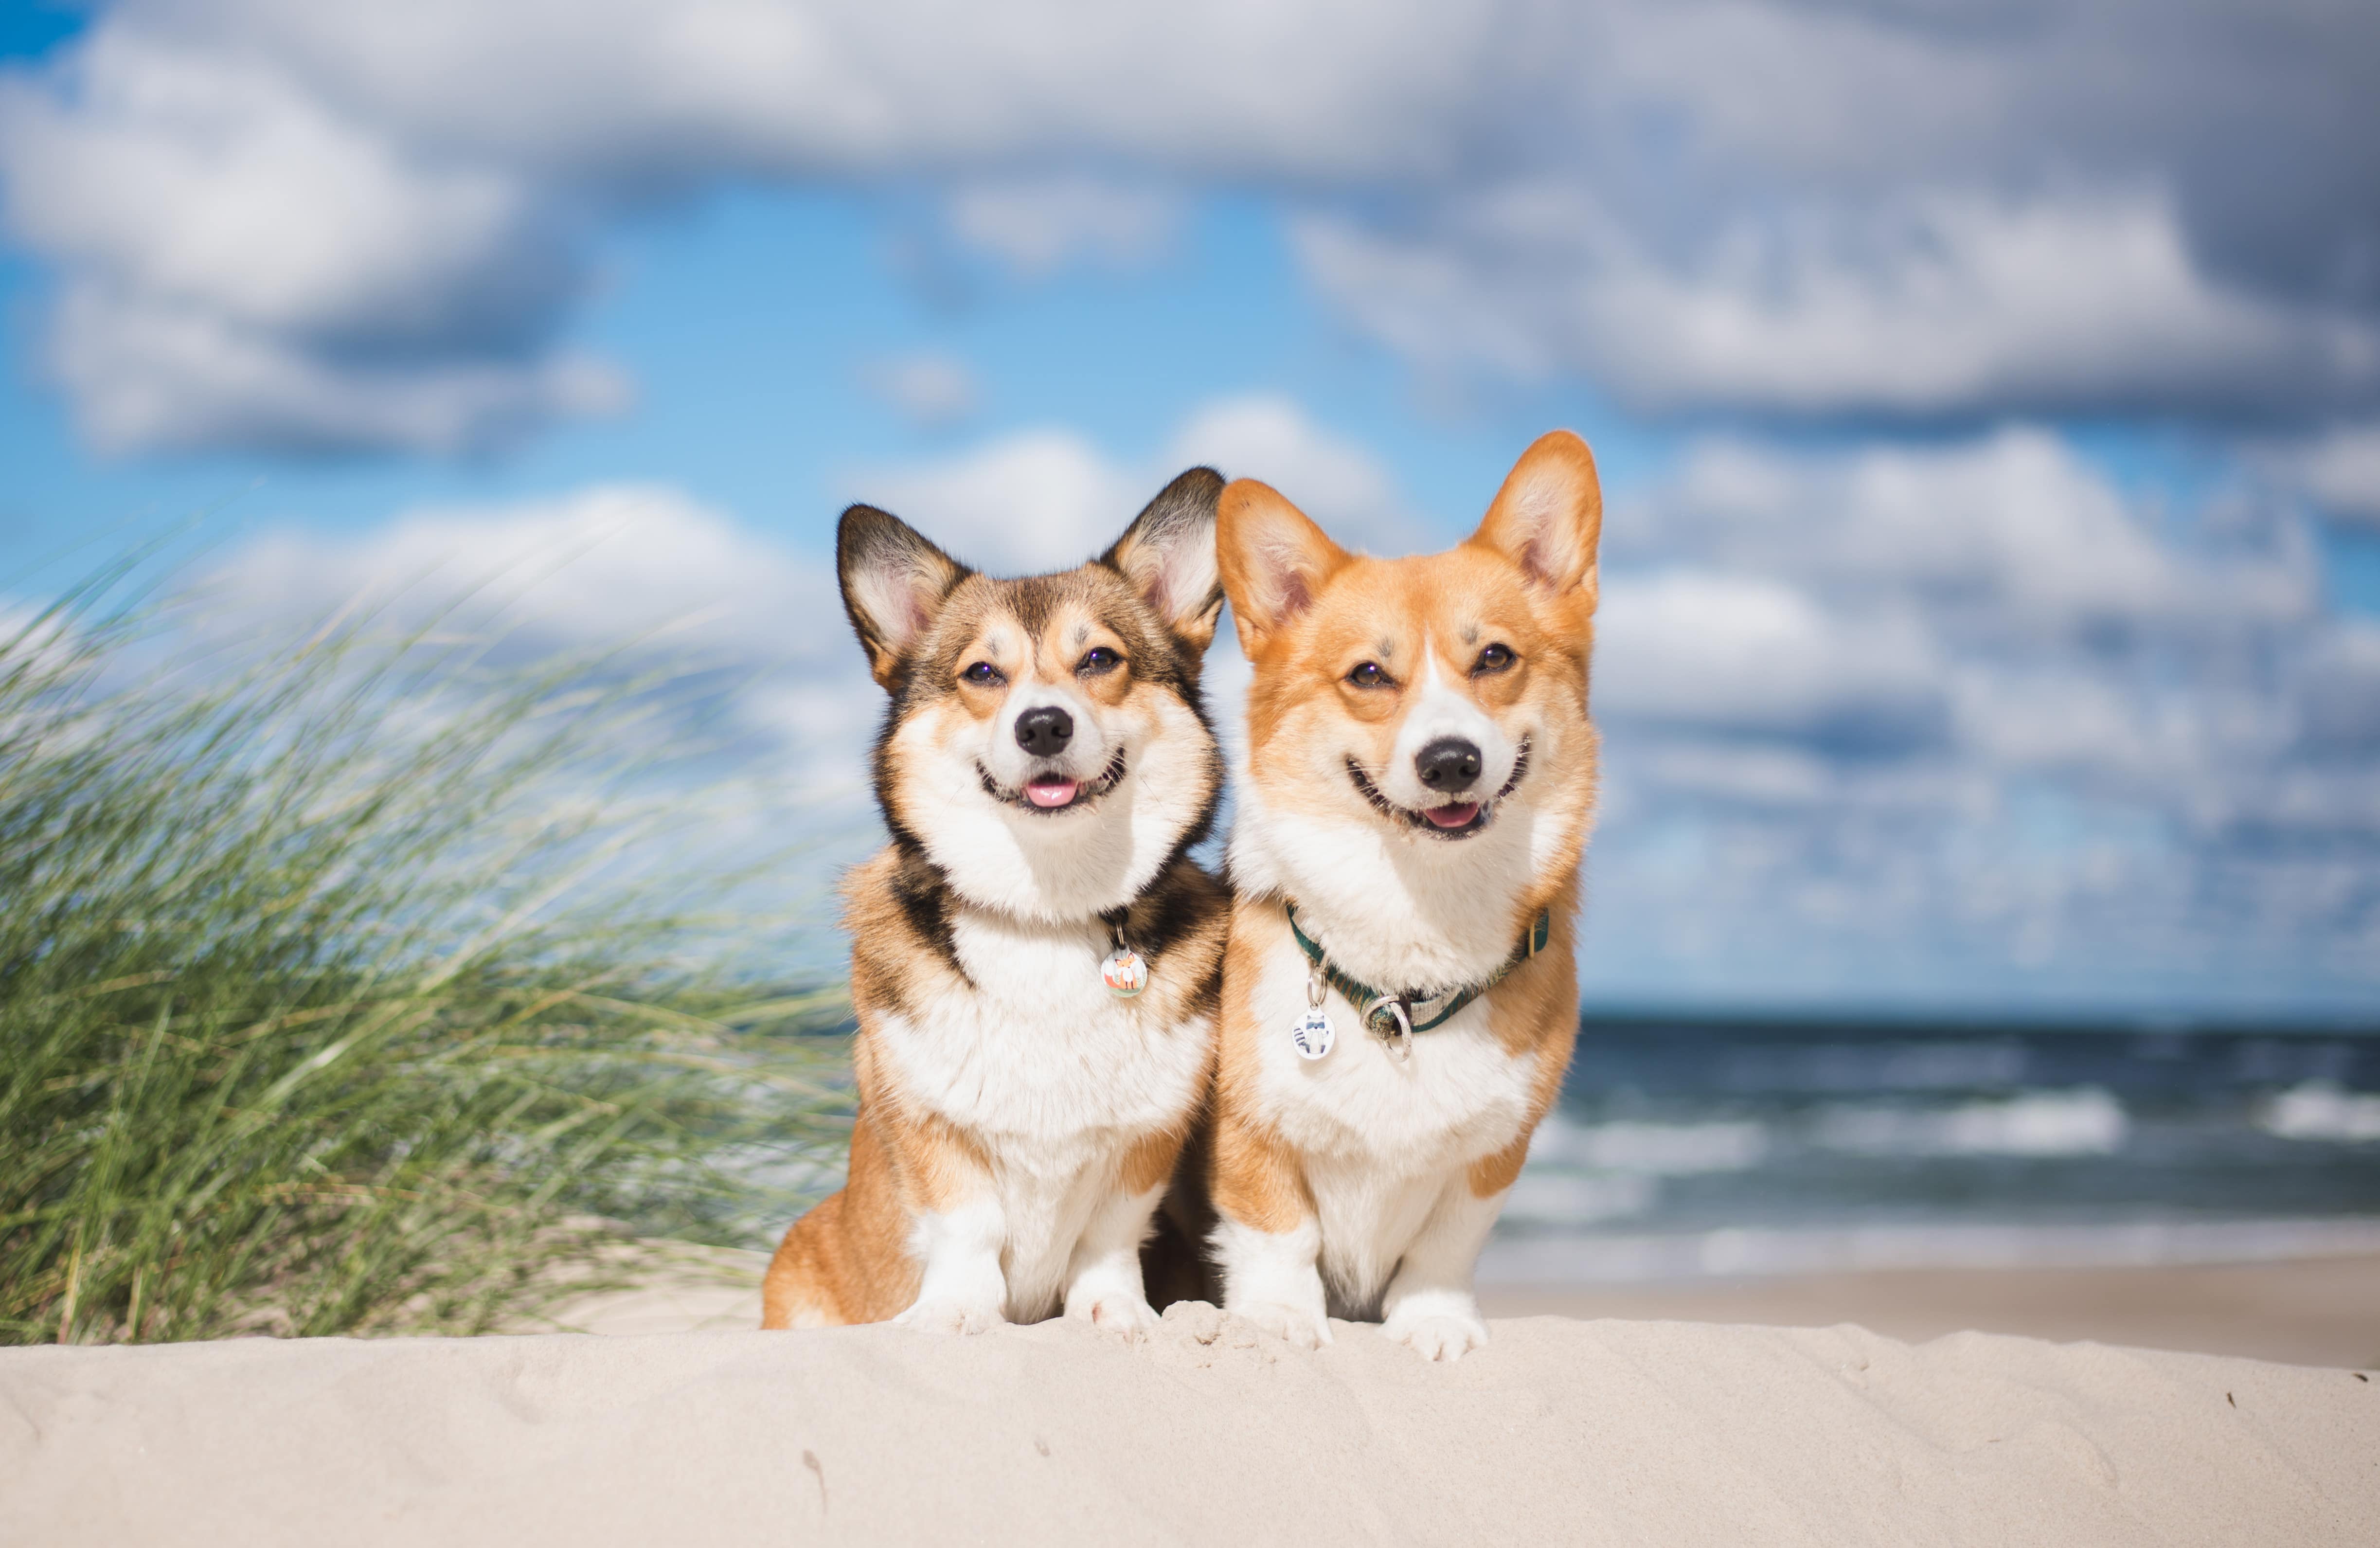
{"points": [[1684, 1150]]}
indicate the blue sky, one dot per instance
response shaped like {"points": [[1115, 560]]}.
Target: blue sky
{"points": [[1989, 409]]}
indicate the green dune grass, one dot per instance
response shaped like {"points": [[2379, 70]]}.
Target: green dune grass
{"points": [[341, 989]]}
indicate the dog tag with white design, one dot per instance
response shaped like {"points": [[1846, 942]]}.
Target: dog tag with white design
{"points": [[1124, 973], [1312, 1035]]}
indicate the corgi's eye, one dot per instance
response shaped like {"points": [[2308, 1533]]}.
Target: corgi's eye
{"points": [[1370, 675], [1495, 658], [983, 674], [1097, 660]]}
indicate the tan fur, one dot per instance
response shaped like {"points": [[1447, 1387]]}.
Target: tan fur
{"points": [[1150, 1161], [1309, 615], [1251, 1174], [1535, 1013], [925, 624], [848, 1260]]}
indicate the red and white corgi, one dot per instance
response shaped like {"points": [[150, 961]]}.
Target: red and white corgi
{"points": [[1399, 999], [1034, 955]]}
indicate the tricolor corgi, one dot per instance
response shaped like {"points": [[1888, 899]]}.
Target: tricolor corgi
{"points": [[1399, 1001], [1035, 955]]}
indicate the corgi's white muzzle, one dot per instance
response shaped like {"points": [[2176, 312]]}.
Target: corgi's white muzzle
{"points": [[1047, 753], [1450, 766]]}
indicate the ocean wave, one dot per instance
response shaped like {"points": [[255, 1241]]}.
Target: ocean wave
{"points": [[1587, 1258], [1893, 1066], [1574, 1199], [2084, 1121], [2321, 1110], [1659, 1150]]}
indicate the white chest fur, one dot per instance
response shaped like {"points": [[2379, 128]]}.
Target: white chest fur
{"points": [[1402, 908], [1382, 1137], [1053, 1076]]}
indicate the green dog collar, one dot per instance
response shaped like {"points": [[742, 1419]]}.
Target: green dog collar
{"points": [[1381, 1011]]}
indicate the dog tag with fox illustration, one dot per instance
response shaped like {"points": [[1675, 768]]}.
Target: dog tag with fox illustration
{"points": [[1124, 973], [1312, 1035]]}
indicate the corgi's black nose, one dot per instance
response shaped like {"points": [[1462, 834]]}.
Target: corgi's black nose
{"points": [[1448, 764], [1044, 732]]}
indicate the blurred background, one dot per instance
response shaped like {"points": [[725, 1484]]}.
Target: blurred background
{"points": [[1987, 398]]}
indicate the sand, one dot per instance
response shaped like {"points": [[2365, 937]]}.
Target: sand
{"points": [[2299, 1310], [1639, 1432], [2304, 1312]]}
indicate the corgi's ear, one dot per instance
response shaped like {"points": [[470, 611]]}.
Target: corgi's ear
{"points": [[1549, 518], [893, 583], [1274, 560], [1168, 555]]}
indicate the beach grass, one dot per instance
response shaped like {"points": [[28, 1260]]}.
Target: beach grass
{"points": [[342, 988]]}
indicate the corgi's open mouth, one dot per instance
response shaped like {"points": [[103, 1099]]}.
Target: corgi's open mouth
{"points": [[1450, 819], [1047, 795]]}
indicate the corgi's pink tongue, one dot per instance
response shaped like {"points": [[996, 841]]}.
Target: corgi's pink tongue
{"points": [[1051, 792], [1452, 816]]}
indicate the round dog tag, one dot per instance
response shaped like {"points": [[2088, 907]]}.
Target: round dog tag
{"points": [[1124, 973], [1312, 1035]]}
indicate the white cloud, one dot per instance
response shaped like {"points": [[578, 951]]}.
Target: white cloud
{"points": [[245, 265], [2023, 717], [642, 575], [599, 566], [1884, 720], [929, 389], [1037, 500], [2013, 530], [2341, 468], [1335, 480], [2001, 591], [218, 184], [1788, 208], [1048, 499], [2342, 702], [779, 87], [1745, 653], [1944, 306], [148, 377], [1039, 226]]}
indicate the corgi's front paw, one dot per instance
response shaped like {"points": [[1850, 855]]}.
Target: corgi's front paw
{"points": [[1119, 1312], [1303, 1328], [1438, 1334], [952, 1316]]}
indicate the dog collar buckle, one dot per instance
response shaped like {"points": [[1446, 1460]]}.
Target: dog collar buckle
{"points": [[1389, 1019]]}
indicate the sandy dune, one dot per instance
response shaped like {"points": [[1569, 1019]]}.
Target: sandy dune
{"points": [[1562, 1431]]}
